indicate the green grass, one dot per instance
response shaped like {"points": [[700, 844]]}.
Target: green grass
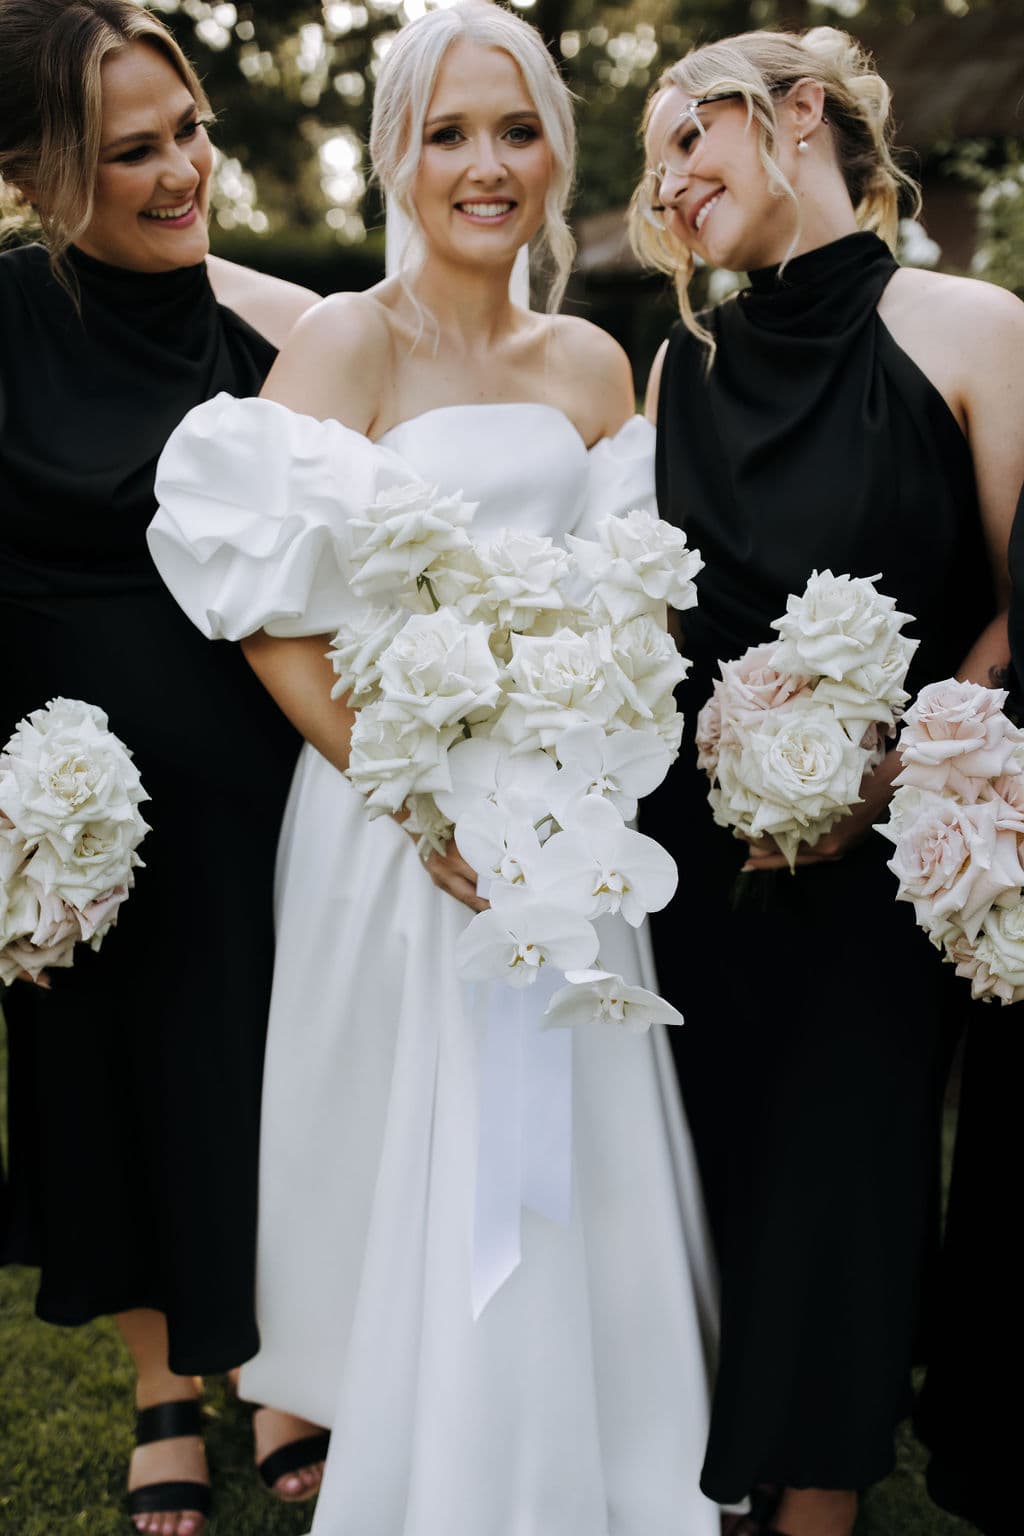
{"points": [[66, 1435]]}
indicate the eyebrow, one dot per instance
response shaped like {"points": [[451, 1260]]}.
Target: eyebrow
{"points": [[146, 137], [460, 117]]}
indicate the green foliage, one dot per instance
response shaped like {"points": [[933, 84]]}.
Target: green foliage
{"points": [[996, 169], [289, 79]]}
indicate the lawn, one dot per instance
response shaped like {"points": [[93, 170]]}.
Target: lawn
{"points": [[65, 1438]]}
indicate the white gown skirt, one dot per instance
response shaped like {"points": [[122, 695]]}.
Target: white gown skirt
{"points": [[577, 1404]]}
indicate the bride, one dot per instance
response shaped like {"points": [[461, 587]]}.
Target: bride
{"points": [[574, 1402]]}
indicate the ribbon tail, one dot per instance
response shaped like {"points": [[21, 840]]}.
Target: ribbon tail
{"points": [[497, 1247], [547, 1106]]}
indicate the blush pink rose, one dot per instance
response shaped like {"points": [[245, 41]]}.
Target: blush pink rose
{"points": [[954, 860], [709, 734], [956, 738]]}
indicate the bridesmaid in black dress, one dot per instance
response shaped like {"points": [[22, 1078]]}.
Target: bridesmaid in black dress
{"points": [[841, 413], [135, 1080], [978, 1349]]}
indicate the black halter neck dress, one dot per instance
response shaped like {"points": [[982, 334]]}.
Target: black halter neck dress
{"points": [[135, 1082], [817, 1015]]}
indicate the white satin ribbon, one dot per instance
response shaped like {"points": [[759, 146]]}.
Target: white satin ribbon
{"points": [[524, 1141]]}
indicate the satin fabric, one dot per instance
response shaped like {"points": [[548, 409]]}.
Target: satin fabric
{"points": [[819, 1017], [135, 1082], [576, 1403]]}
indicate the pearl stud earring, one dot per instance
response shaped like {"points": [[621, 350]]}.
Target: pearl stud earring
{"points": [[802, 146]]}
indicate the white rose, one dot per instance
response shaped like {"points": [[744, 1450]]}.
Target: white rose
{"points": [[795, 774], [557, 682], [19, 905], [390, 760], [63, 768], [523, 573], [430, 827], [439, 670], [644, 666], [638, 565], [79, 870], [838, 627], [356, 651], [1001, 947], [873, 693], [399, 536]]}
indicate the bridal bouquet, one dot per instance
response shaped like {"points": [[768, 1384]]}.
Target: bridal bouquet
{"points": [[957, 820], [519, 697], [69, 828], [792, 727]]}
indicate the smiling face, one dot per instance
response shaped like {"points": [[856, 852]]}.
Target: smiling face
{"points": [[152, 180], [715, 192], [485, 165]]}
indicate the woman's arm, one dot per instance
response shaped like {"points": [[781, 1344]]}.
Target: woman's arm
{"points": [[334, 367]]}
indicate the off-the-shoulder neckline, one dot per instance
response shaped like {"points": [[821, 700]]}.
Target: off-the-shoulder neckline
{"points": [[492, 405]]}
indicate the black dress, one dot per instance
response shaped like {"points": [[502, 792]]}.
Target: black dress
{"points": [[135, 1082], [978, 1349], [817, 1015]]}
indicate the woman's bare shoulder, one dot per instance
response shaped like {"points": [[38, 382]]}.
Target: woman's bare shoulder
{"points": [[590, 365], [269, 304]]}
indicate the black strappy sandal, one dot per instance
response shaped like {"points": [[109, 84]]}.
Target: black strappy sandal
{"points": [[169, 1421], [293, 1456]]}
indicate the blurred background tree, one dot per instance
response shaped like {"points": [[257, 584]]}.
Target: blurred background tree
{"points": [[292, 85]]}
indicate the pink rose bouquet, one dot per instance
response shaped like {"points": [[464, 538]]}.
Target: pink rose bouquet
{"points": [[793, 725], [957, 822], [69, 830]]}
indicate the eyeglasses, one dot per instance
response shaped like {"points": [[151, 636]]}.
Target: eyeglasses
{"points": [[679, 145]]}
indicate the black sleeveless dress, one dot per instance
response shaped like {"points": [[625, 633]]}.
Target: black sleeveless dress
{"points": [[978, 1349], [817, 1015], [135, 1082]]}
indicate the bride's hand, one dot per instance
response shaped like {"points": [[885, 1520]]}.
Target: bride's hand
{"points": [[451, 872]]}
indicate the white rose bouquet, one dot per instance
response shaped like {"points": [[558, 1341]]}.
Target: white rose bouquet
{"points": [[793, 725], [957, 820], [69, 830], [518, 697]]}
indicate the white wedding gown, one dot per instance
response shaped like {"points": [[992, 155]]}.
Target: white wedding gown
{"points": [[577, 1403]]}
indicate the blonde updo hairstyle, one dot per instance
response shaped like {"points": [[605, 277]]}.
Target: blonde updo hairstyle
{"points": [[761, 67], [406, 83], [51, 57]]}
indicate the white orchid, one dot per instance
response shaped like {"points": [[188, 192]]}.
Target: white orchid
{"points": [[598, 865], [521, 934], [621, 768], [603, 997]]}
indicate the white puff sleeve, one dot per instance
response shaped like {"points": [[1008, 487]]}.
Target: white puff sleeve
{"points": [[620, 475], [252, 527]]}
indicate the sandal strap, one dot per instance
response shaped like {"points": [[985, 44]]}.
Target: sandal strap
{"points": [[168, 1421], [293, 1456], [169, 1498]]}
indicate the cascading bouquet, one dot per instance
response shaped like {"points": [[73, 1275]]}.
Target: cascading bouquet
{"points": [[519, 697], [69, 830], [792, 727], [957, 820]]}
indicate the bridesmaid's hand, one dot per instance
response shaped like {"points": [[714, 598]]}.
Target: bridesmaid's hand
{"points": [[876, 792]]}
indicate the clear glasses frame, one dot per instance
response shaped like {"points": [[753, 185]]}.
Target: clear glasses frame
{"points": [[675, 159]]}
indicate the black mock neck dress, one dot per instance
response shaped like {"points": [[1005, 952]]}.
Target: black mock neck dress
{"points": [[818, 1017], [135, 1082]]}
